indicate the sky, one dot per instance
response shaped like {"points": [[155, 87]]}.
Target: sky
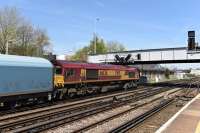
{"points": [[138, 24]]}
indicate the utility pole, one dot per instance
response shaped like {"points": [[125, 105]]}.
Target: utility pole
{"points": [[95, 35], [7, 45], [8, 42]]}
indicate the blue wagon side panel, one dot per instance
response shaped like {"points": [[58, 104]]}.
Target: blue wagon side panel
{"points": [[24, 75]]}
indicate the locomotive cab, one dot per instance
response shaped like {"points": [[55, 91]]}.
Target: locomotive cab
{"points": [[58, 77]]}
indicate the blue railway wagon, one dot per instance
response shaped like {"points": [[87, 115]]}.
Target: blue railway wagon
{"points": [[24, 78]]}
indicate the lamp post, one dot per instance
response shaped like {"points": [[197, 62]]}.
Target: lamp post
{"points": [[95, 36], [7, 45]]}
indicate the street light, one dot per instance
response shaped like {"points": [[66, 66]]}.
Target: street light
{"points": [[7, 45], [95, 30]]}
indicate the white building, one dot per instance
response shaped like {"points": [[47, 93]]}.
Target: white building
{"points": [[180, 74], [195, 72]]}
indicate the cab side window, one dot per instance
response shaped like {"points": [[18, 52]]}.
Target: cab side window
{"points": [[69, 73], [58, 70]]}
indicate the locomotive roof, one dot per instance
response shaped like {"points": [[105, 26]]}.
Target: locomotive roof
{"points": [[24, 61], [67, 64]]}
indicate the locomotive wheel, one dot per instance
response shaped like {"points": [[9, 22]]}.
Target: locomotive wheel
{"points": [[72, 94], [90, 90]]}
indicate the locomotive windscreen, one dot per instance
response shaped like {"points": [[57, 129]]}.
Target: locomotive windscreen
{"points": [[92, 74]]}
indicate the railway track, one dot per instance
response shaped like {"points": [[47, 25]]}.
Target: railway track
{"points": [[125, 127], [138, 120], [110, 118], [72, 104], [175, 83], [6, 111], [44, 119]]}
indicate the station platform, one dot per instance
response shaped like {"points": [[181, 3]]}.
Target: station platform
{"points": [[187, 120]]}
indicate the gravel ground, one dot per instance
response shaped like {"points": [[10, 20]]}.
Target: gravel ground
{"points": [[107, 126], [88, 121], [110, 124]]}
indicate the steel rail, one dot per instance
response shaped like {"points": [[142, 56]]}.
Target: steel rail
{"points": [[4, 111], [61, 120], [67, 109], [138, 120], [55, 107], [117, 115]]}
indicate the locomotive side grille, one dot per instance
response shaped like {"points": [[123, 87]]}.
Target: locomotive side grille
{"points": [[131, 75], [92, 74]]}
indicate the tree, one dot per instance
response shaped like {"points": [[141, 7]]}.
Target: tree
{"points": [[41, 40], [114, 46], [81, 54], [101, 48], [22, 36], [23, 43], [9, 20]]}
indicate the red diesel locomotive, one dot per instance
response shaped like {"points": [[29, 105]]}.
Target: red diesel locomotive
{"points": [[38, 80], [72, 78]]}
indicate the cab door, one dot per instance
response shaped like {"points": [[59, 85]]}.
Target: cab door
{"points": [[58, 77]]}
